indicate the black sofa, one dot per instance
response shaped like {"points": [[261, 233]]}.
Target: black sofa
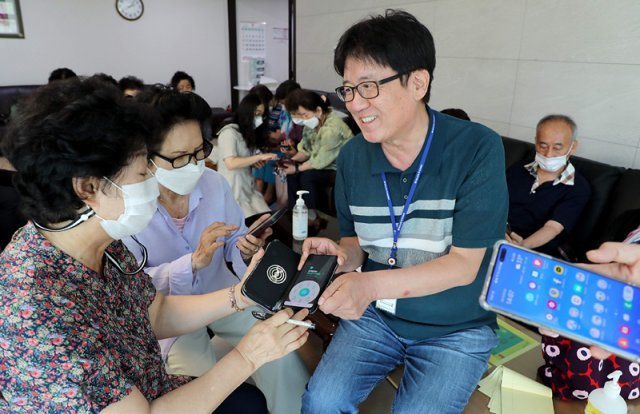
{"points": [[614, 191], [9, 96]]}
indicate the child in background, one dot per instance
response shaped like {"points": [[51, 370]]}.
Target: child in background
{"points": [[264, 177], [284, 131]]}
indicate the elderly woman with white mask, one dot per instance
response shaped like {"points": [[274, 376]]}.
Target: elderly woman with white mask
{"points": [[80, 319], [197, 230]]}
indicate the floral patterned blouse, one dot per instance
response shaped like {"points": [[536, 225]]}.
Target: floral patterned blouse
{"points": [[72, 340]]}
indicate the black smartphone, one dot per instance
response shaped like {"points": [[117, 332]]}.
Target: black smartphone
{"points": [[577, 303], [272, 277], [277, 215], [312, 280]]}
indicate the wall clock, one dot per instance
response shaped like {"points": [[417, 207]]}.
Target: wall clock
{"points": [[130, 9]]}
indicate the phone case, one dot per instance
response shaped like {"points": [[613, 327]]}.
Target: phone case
{"points": [[276, 282], [275, 217], [310, 282], [563, 332]]}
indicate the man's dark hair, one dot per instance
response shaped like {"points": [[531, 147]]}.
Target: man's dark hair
{"points": [[456, 113], [130, 82], [180, 75], [75, 128], [105, 78], [174, 107], [285, 88], [61, 73], [307, 99], [396, 40]]}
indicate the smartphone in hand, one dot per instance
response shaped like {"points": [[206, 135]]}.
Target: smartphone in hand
{"points": [[311, 281], [576, 303], [273, 219], [276, 283]]}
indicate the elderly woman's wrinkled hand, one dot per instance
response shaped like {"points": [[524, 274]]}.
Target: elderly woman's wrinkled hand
{"points": [[212, 238], [248, 244], [273, 338]]}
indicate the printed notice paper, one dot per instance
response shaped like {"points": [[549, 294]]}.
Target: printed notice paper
{"points": [[510, 392]]}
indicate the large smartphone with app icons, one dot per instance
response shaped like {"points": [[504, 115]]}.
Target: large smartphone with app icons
{"points": [[576, 303]]}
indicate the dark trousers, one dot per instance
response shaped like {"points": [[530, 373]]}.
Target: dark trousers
{"points": [[246, 399], [315, 182]]}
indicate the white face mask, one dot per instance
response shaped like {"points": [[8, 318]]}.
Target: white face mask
{"points": [[297, 121], [180, 180], [257, 121], [140, 204], [311, 122], [553, 164]]}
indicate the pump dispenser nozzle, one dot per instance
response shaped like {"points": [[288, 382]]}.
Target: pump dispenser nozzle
{"points": [[300, 200], [612, 388], [607, 400]]}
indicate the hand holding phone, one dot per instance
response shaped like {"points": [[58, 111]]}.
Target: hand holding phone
{"points": [[576, 302], [273, 219], [276, 282], [287, 146]]}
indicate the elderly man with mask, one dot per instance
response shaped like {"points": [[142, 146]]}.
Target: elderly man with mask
{"points": [[547, 196]]}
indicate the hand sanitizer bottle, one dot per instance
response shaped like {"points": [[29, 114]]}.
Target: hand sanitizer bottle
{"points": [[607, 400], [300, 217]]}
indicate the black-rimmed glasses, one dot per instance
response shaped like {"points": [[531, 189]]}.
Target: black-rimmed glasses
{"points": [[182, 160], [366, 89]]}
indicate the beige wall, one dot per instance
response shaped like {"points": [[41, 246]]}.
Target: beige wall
{"points": [[510, 62]]}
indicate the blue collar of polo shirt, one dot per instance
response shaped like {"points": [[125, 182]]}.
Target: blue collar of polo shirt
{"points": [[380, 164]]}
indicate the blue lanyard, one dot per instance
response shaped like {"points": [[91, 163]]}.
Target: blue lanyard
{"points": [[398, 227]]}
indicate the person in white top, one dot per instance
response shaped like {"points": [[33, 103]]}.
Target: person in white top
{"points": [[238, 152]]}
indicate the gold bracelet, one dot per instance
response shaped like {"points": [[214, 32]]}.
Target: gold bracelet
{"points": [[232, 299]]}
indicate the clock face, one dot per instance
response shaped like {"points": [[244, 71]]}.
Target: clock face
{"points": [[130, 9]]}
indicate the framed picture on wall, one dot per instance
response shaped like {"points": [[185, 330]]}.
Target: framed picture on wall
{"points": [[10, 19]]}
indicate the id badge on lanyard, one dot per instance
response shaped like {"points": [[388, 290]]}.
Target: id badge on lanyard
{"points": [[389, 305]]}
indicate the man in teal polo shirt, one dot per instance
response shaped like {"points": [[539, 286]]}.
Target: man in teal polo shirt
{"points": [[421, 198]]}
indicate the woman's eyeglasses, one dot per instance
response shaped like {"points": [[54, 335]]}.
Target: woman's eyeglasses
{"points": [[182, 160]]}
